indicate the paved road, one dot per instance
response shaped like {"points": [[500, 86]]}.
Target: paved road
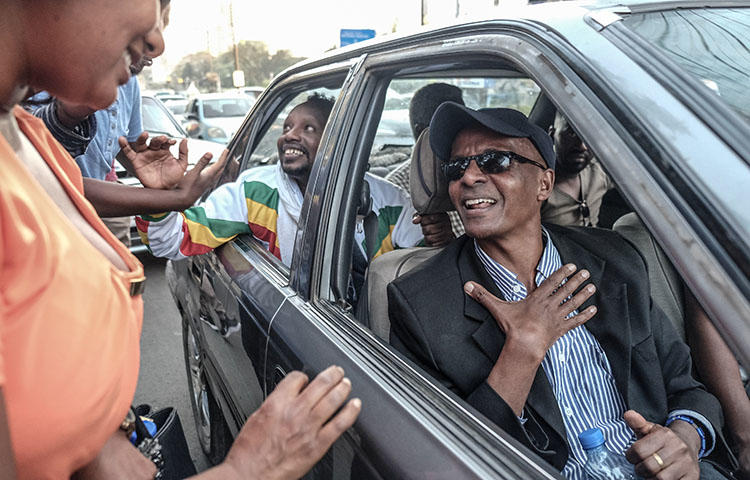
{"points": [[162, 380]]}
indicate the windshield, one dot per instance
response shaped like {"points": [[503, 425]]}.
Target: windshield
{"points": [[226, 107], [157, 120], [712, 44], [177, 107]]}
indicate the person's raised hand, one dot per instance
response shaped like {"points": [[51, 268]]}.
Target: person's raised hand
{"points": [[662, 452], [153, 163], [294, 427], [199, 178], [537, 321], [436, 228]]}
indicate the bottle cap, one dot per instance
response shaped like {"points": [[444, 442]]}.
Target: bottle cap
{"points": [[591, 438], [150, 425]]}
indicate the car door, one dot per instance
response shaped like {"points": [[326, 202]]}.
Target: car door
{"points": [[410, 427], [241, 286]]}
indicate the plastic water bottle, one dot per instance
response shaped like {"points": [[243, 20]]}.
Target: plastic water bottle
{"points": [[601, 464]]}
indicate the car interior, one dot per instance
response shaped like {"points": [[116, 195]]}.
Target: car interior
{"points": [[391, 144], [387, 143], [668, 290]]}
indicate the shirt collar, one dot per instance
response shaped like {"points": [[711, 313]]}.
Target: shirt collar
{"points": [[507, 281]]}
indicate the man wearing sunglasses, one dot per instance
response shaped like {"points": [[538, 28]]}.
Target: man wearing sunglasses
{"points": [[513, 295]]}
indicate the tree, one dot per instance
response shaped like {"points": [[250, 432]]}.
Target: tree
{"points": [[195, 68], [255, 60]]}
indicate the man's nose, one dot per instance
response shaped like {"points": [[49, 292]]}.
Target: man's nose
{"points": [[292, 134], [154, 42], [473, 174]]}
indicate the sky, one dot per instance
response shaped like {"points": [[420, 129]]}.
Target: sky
{"points": [[306, 27]]}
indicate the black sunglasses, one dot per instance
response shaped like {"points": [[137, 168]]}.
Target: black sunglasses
{"points": [[491, 161]]}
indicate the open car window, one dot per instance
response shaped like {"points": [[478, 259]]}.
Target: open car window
{"points": [[266, 151], [395, 135]]}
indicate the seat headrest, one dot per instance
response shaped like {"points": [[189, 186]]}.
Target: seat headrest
{"points": [[427, 184]]}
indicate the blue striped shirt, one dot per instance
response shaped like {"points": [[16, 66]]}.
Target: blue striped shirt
{"points": [[579, 373], [577, 369]]}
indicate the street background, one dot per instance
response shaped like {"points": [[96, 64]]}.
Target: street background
{"points": [[162, 381]]}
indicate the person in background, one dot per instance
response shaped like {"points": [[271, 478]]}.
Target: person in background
{"points": [[71, 309], [580, 182], [266, 202], [421, 108]]}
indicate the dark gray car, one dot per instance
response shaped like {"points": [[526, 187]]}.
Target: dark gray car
{"points": [[658, 94]]}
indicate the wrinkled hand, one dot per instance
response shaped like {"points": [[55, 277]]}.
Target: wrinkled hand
{"points": [[118, 459], [436, 228], [679, 460], [153, 163], [537, 321], [294, 427]]}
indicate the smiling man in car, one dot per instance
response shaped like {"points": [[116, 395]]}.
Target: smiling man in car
{"points": [[512, 295], [266, 201]]}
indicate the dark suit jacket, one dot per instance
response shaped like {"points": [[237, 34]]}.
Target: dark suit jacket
{"points": [[457, 341]]}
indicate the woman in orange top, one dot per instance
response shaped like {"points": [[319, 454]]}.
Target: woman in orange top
{"points": [[70, 304]]}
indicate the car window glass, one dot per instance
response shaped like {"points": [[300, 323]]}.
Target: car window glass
{"points": [[156, 119], [394, 137], [177, 107], [712, 44], [226, 107]]}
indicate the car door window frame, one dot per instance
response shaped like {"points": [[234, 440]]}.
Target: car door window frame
{"points": [[256, 124]]}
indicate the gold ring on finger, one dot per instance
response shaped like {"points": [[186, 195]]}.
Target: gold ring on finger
{"points": [[658, 460]]}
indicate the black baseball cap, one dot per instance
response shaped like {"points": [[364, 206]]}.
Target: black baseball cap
{"points": [[450, 118]]}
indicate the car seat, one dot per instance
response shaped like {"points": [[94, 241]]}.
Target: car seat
{"points": [[429, 195], [665, 283]]}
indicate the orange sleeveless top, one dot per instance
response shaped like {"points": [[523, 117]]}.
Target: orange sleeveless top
{"points": [[69, 328]]}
